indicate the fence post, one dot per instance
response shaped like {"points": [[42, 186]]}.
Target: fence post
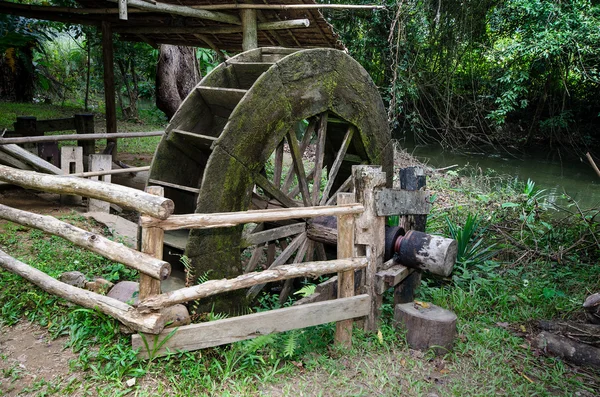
{"points": [[411, 178], [152, 244], [84, 124], [100, 162], [71, 162], [345, 249], [370, 234]]}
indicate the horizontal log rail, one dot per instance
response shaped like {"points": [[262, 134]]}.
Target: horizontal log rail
{"points": [[131, 170], [155, 206], [227, 219], [117, 252], [78, 137], [152, 323], [284, 272]]}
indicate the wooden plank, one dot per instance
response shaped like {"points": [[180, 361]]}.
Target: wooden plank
{"points": [[100, 162], [220, 332], [402, 202], [7, 159], [202, 141], [55, 125], [345, 249], [283, 272], [248, 72], [204, 221], [152, 244], [72, 137], [29, 158], [274, 234], [226, 98], [131, 170], [391, 277], [274, 191], [174, 186]]}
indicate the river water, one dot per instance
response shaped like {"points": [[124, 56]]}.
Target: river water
{"points": [[575, 177]]}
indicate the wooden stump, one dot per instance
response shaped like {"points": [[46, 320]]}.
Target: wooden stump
{"points": [[427, 326]]}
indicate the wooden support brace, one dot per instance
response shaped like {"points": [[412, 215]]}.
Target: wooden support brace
{"points": [[250, 32]]}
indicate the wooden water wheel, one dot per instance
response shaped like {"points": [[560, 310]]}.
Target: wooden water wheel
{"points": [[247, 137]]}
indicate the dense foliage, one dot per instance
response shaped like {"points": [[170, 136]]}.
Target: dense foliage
{"points": [[515, 72]]}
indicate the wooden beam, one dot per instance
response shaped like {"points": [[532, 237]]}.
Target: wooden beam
{"points": [[220, 332], [5, 5], [289, 6], [145, 203], [402, 202], [151, 323], [276, 25], [132, 170], [29, 158], [284, 272], [250, 32], [184, 11], [83, 137], [226, 219], [117, 252]]}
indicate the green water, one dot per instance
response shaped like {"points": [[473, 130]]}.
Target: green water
{"points": [[574, 176]]}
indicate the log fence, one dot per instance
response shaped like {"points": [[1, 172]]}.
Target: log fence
{"points": [[360, 239]]}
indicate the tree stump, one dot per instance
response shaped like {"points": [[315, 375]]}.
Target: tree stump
{"points": [[427, 326]]}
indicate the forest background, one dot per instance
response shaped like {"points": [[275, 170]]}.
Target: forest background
{"points": [[510, 73]]}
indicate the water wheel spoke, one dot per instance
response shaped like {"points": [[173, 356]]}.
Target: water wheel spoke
{"points": [[275, 234], [262, 203], [346, 186], [299, 167], [308, 133], [280, 260], [337, 163], [278, 168], [274, 191], [320, 249], [255, 258], [296, 188], [289, 283], [319, 154]]}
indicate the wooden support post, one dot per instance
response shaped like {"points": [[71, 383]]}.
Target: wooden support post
{"points": [[109, 83], [249, 28], [370, 233], [84, 124], [411, 178], [345, 249], [26, 126], [100, 162], [152, 244], [71, 162]]}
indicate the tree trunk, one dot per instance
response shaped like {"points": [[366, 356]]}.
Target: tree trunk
{"points": [[177, 74], [16, 75]]}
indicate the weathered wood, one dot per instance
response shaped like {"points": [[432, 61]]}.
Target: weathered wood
{"points": [[238, 6], [150, 323], [201, 221], [289, 177], [102, 163], [174, 186], [72, 137], [7, 159], [29, 158], [203, 141], [255, 258], [109, 171], [220, 97], [71, 162], [345, 249], [299, 167], [285, 255], [289, 283], [278, 168], [423, 251], [217, 30], [592, 308], [337, 163], [158, 207], [579, 332], [402, 202], [250, 33], [183, 10], [346, 186], [319, 155], [152, 244], [283, 272], [94, 242], [323, 230], [574, 352], [405, 291], [274, 234], [274, 191], [370, 232], [427, 325], [123, 10], [390, 277], [220, 332]]}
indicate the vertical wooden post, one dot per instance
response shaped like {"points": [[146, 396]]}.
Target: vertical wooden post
{"points": [[152, 244], [71, 162], [345, 249], [370, 232], [27, 126], [411, 178], [109, 83], [250, 30], [100, 162], [84, 124]]}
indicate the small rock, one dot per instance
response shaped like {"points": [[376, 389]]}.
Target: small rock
{"points": [[99, 285], [130, 382], [176, 316], [125, 291], [76, 279]]}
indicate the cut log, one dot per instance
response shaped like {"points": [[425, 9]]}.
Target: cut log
{"points": [[29, 158], [151, 323], [427, 326], [584, 333], [574, 352], [145, 203]]}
